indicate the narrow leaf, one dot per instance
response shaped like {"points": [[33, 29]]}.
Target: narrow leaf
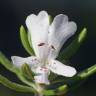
{"points": [[76, 81], [15, 86], [62, 90], [56, 91], [50, 19], [74, 46], [26, 71], [24, 80], [87, 72], [80, 78], [29, 39], [25, 42], [49, 93], [7, 64]]}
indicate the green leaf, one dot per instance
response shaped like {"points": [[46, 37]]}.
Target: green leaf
{"points": [[74, 82], [25, 42], [15, 86], [57, 91], [52, 76], [50, 19], [62, 90], [87, 72], [26, 71], [49, 93], [74, 46], [81, 77], [7, 64], [24, 80], [29, 39]]}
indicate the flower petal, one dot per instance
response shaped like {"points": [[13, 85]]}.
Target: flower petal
{"points": [[32, 61], [42, 75], [38, 28], [59, 31], [61, 69]]}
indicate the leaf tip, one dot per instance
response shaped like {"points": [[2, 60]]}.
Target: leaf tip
{"points": [[82, 35], [50, 19], [21, 28]]}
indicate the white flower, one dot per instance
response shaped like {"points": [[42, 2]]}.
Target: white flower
{"points": [[47, 41]]}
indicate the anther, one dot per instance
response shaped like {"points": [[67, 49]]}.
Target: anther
{"points": [[52, 47], [41, 44]]}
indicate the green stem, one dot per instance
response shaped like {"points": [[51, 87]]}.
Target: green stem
{"points": [[15, 86]]}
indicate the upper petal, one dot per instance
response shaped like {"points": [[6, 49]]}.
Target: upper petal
{"points": [[32, 61], [38, 28], [60, 30], [61, 69]]}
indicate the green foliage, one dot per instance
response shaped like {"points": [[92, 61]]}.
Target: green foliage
{"points": [[74, 46], [49, 92], [26, 71], [87, 72], [27, 77], [25, 42], [50, 19], [7, 64], [29, 39], [15, 86], [78, 77]]}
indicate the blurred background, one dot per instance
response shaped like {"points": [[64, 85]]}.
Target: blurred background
{"points": [[13, 14]]}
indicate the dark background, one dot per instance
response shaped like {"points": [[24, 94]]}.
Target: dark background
{"points": [[13, 14]]}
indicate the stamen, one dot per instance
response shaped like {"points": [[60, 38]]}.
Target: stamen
{"points": [[41, 44], [52, 47]]}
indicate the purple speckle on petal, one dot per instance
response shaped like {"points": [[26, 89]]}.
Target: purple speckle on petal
{"points": [[52, 47], [41, 44]]}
